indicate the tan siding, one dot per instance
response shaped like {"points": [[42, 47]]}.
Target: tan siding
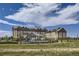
{"points": [[15, 33], [52, 35]]}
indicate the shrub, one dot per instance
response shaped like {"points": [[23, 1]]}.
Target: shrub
{"points": [[8, 42]]}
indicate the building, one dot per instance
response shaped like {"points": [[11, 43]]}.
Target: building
{"points": [[56, 33], [25, 32]]}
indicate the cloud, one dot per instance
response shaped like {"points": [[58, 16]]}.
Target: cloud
{"points": [[6, 22], [35, 13], [59, 22], [67, 12]]}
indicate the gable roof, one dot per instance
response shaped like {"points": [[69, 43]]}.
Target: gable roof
{"points": [[29, 29], [38, 29], [58, 29]]}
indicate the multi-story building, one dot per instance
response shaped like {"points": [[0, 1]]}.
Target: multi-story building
{"points": [[56, 33], [25, 32]]}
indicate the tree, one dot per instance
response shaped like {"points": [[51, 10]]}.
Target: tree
{"points": [[6, 38]]}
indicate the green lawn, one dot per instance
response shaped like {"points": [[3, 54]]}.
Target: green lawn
{"points": [[73, 44], [41, 53]]}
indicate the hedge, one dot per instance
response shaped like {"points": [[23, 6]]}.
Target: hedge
{"points": [[8, 42]]}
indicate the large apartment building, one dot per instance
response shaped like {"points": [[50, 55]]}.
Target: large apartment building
{"points": [[25, 32]]}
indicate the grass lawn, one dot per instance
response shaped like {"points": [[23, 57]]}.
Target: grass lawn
{"points": [[73, 44], [41, 53]]}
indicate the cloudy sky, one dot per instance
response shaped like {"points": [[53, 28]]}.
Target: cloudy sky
{"points": [[49, 15]]}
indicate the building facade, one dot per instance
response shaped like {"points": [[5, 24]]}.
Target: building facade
{"points": [[25, 32], [56, 34]]}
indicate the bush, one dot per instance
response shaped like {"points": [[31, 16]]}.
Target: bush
{"points": [[8, 43]]}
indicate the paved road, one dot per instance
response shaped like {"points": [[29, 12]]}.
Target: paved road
{"points": [[51, 49]]}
